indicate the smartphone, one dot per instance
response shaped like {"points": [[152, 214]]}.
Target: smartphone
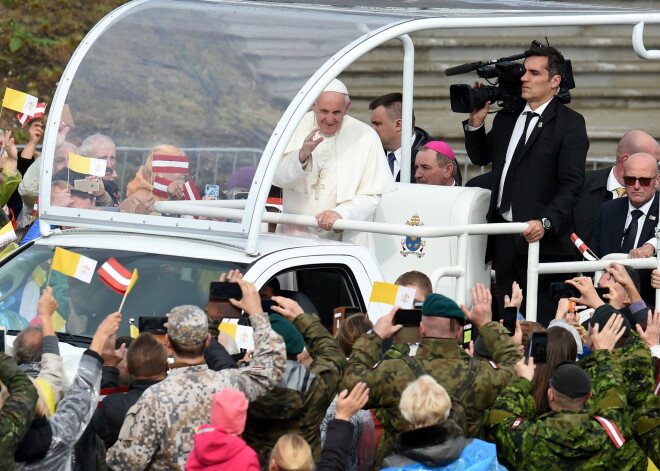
{"points": [[3, 339], [510, 316], [408, 317], [564, 290], [219, 306], [537, 347], [212, 191], [467, 335], [152, 324], [267, 306], [87, 185]]}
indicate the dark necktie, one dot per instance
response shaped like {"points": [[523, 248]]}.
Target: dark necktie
{"points": [[505, 204], [391, 158], [630, 234]]}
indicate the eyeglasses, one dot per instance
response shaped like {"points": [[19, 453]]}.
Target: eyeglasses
{"points": [[643, 181]]}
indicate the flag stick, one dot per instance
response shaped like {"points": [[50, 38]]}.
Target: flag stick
{"points": [[592, 253], [49, 273], [122, 301]]}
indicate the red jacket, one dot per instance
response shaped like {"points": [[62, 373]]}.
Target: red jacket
{"points": [[215, 449]]}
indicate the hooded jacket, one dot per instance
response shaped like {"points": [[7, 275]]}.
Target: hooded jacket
{"points": [[216, 450]]}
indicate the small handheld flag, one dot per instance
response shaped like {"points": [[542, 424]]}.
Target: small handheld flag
{"points": [[19, 101], [190, 191], [170, 164], [394, 295], [39, 111], [116, 276], [160, 187], [87, 165], [7, 233], [73, 264], [582, 247]]}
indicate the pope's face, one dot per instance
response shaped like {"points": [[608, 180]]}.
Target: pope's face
{"points": [[330, 109]]}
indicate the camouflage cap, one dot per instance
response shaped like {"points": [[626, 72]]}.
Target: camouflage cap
{"points": [[437, 305], [187, 325]]}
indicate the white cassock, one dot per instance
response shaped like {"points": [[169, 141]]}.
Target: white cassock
{"points": [[346, 173]]}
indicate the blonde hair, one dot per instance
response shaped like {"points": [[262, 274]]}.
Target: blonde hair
{"points": [[424, 402], [160, 149], [292, 452]]}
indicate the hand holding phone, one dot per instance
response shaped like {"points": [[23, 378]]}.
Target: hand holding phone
{"points": [[537, 347], [220, 292], [510, 317]]}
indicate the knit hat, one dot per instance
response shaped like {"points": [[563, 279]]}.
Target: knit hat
{"points": [[293, 339], [441, 147], [603, 314], [187, 325], [570, 379], [437, 305], [229, 410]]}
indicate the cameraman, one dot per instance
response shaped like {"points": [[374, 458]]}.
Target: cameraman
{"points": [[538, 159]]}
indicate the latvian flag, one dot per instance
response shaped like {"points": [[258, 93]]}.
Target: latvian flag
{"points": [[190, 191], [170, 164], [582, 247], [118, 278], [39, 111], [160, 187]]}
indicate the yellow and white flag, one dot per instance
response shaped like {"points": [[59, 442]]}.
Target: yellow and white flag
{"points": [[19, 101], [87, 165], [394, 295], [73, 264], [7, 233]]}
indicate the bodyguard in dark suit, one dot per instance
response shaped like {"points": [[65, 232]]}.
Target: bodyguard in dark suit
{"points": [[627, 225], [386, 121], [538, 159], [607, 183]]}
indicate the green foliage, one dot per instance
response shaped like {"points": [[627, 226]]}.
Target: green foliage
{"points": [[36, 42]]}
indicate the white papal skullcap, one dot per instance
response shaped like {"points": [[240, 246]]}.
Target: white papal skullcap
{"points": [[336, 86]]}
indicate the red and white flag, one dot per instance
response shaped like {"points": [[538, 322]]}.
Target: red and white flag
{"points": [[582, 247], [160, 187], [170, 164], [116, 276], [39, 111], [190, 191]]}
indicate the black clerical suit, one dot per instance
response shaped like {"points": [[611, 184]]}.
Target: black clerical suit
{"points": [[594, 194], [546, 180]]}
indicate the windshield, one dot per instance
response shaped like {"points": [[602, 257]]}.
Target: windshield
{"points": [[163, 283]]}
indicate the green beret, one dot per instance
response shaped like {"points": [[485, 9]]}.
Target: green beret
{"points": [[437, 305], [293, 339], [603, 314]]}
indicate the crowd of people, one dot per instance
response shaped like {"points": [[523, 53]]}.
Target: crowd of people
{"points": [[375, 396]]}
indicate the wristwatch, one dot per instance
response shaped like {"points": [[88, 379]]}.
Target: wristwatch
{"points": [[547, 225]]}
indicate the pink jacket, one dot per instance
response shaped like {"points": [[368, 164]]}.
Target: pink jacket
{"points": [[215, 449]]}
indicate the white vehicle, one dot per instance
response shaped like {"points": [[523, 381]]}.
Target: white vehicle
{"points": [[227, 82]]}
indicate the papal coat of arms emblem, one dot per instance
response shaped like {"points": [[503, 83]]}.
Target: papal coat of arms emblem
{"points": [[413, 244]]}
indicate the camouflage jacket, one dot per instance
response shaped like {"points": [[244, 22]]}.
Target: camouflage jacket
{"points": [[158, 432], [636, 367], [292, 408], [561, 440], [17, 412], [475, 383], [647, 429]]}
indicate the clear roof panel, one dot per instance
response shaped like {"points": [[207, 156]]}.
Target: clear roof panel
{"points": [[210, 80]]}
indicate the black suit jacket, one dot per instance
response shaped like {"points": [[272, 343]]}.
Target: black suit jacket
{"points": [[594, 194], [421, 138], [611, 222], [547, 177]]}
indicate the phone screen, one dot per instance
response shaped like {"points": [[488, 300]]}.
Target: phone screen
{"points": [[152, 324], [563, 290], [467, 335], [510, 316], [538, 347], [3, 334]]}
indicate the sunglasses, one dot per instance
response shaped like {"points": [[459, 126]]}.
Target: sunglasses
{"points": [[643, 181]]}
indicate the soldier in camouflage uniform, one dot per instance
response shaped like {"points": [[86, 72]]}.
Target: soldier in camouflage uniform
{"points": [[17, 412], [158, 432], [469, 381], [299, 402], [570, 436]]}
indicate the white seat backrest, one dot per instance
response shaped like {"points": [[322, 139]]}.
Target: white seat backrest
{"points": [[432, 205]]}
